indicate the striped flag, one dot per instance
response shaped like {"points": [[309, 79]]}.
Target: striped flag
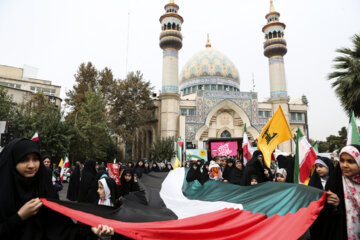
{"points": [[178, 155], [353, 136], [65, 168], [245, 146], [179, 209], [35, 138], [304, 158]]}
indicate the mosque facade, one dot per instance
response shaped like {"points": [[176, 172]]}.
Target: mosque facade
{"points": [[204, 100]]}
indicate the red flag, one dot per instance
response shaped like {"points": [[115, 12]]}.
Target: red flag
{"points": [[113, 171], [245, 146]]}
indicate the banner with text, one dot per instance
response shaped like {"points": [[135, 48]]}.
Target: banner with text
{"points": [[223, 149], [113, 171]]}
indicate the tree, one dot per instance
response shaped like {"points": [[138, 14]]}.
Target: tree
{"points": [[333, 142], [7, 106], [89, 78], [347, 77], [163, 149], [91, 137], [40, 115], [131, 105]]}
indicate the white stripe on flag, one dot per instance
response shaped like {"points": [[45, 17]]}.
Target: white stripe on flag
{"points": [[174, 199]]}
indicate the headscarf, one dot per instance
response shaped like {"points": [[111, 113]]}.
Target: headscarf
{"points": [[282, 171], [315, 180], [105, 201], [73, 189], [214, 171], [193, 174], [88, 183], [352, 195], [15, 189]]}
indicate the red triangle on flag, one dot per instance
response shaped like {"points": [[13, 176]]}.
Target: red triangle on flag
{"points": [[180, 143]]}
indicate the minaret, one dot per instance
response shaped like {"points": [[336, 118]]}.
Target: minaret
{"points": [[275, 49], [171, 43]]}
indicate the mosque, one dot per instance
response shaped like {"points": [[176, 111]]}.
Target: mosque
{"points": [[205, 102]]}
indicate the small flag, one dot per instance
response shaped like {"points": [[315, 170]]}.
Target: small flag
{"points": [[35, 138], [304, 158], [316, 147], [353, 136], [61, 162], [178, 156], [245, 146], [275, 132], [65, 169]]}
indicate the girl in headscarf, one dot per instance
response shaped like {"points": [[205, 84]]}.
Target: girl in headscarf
{"points": [[167, 167], [280, 175], [214, 171], [205, 173], [194, 173], [139, 168], [155, 167], [228, 169], [128, 183], [342, 208], [253, 180], [256, 167], [235, 176], [323, 170], [23, 180], [88, 183], [73, 189], [107, 192], [146, 167]]}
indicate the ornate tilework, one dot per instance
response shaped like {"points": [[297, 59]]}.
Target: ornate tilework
{"points": [[279, 94], [170, 89], [170, 53], [209, 62]]}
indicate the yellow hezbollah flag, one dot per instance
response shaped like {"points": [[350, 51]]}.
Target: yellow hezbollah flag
{"points": [[177, 163], [61, 162], [275, 132]]}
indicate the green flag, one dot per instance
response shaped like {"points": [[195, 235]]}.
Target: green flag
{"points": [[353, 136]]}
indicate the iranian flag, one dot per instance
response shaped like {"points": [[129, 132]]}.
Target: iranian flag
{"points": [[353, 136], [304, 158], [245, 146], [35, 138], [65, 168], [169, 207]]}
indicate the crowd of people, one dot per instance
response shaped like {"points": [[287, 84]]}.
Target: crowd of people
{"points": [[25, 178]]}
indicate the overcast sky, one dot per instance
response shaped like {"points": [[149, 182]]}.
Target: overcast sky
{"points": [[57, 36]]}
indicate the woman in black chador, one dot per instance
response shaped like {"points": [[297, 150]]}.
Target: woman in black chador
{"points": [[128, 183], [194, 173], [73, 189], [256, 166], [23, 180], [88, 183], [236, 174]]}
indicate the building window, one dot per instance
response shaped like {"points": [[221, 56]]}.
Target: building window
{"points": [[220, 87], [265, 114], [231, 89], [12, 85], [297, 117], [213, 87], [193, 89], [225, 134], [207, 87], [200, 87], [187, 112]]}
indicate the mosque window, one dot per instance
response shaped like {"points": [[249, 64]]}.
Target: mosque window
{"points": [[207, 87], [191, 112], [213, 87], [200, 87], [231, 89], [270, 35], [225, 134], [173, 26], [274, 34], [183, 111], [265, 114], [220, 87]]}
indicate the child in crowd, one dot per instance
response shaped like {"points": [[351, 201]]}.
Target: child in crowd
{"points": [[214, 171], [205, 173], [194, 173], [281, 175], [128, 183], [254, 179], [107, 192], [323, 170], [236, 174]]}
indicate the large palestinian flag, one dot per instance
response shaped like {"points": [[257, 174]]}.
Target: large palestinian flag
{"points": [[171, 208]]}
